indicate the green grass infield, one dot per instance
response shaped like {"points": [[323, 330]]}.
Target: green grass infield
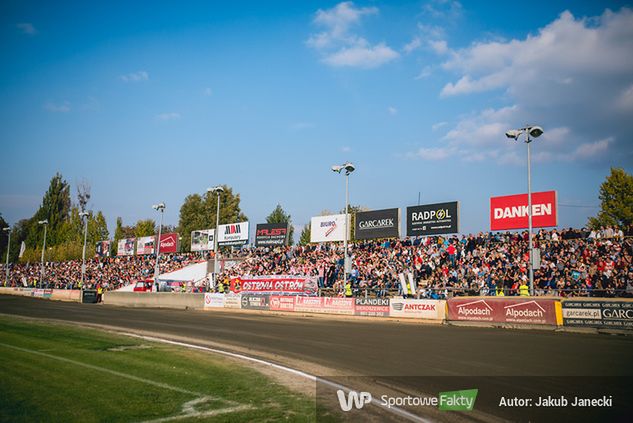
{"points": [[58, 373]]}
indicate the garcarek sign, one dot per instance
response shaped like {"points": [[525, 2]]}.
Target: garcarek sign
{"points": [[433, 219], [169, 243], [511, 211], [233, 234], [327, 228], [377, 224]]}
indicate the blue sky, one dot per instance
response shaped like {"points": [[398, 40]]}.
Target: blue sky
{"points": [[153, 101]]}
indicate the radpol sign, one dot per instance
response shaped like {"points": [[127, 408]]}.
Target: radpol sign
{"points": [[433, 219]]}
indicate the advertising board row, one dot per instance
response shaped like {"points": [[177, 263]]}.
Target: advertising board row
{"points": [[236, 235], [374, 307], [598, 313], [144, 245], [501, 310]]}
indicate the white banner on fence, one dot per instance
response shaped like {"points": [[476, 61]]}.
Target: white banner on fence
{"points": [[327, 228], [418, 309], [233, 234], [232, 300], [214, 300]]}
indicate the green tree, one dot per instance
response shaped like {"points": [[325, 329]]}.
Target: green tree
{"points": [[4, 237], [199, 212], [304, 238], [145, 227], [55, 208], [278, 215], [616, 197], [352, 210]]}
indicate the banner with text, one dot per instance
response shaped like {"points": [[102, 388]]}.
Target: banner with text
{"points": [[145, 245], [433, 219], [377, 224], [213, 300], [418, 309], [102, 249], [511, 211], [233, 234], [300, 285], [520, 311], [327, 228], [203, 240], [375, 307], [271, 234], [598, 313], [125, 247], [328, 305], [169, 243]]}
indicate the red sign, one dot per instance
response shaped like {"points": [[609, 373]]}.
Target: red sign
{"points": [[279, 284], [169, 243], [279, 303], [511, 211], [524, 311], [330, 305]]}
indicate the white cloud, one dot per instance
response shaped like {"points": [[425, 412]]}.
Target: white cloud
{"points": [[392, 110], [135, 77], [424, 73], [26, 28], [412, 45], [438, 125], [63, 107], [439, 46], [434, 153], [340, 46], [573, 77], [445, 9], [168, 116]]}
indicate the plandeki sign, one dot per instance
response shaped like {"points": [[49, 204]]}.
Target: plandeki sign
{"points": [[512, 211], [433, 219], [377, 224]]}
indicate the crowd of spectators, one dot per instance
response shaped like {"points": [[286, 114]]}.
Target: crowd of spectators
{"points": [[108, 272], [572, 263]]}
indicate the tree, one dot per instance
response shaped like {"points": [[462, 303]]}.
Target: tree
{"points": [[3, 239], [145, 227], [352, 210], [55, 208], [278, 215], [304, 238], [616, 196], [83, 194], [199, 212]]}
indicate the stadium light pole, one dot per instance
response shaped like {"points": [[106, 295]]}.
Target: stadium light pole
{"points": [[216, 190], [348, 168], [84, 216], [45, 223], [8, 231], [161, 208], [534, 132]]}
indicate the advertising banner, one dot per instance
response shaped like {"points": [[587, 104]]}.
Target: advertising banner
{"points": [[203, 240], [511, 211], [275, 284], [102, 249], [418, 309], [256, 301], [524, 311], [169, 243], [126, 247], [213, 300], [598, 314], [42, 293], [433, 219], [233, 234], [376, 307], [329, 305], [232, 300], [271, 234], [377, 224], [327, 228], [145, 245], [281, 303]]}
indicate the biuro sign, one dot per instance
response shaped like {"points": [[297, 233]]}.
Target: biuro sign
{"points": [[511, 211]]}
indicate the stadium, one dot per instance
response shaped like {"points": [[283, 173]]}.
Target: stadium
{"points": [[150, 273]]}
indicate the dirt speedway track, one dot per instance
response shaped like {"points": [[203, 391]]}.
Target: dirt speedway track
{"points": [[521, 361]]}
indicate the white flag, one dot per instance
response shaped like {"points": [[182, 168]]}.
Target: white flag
{"points": [[22, 248]]}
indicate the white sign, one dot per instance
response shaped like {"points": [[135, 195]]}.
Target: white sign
{"points": [[213, 300], [125, 247], [203, 240], [233, 300], [233, 234], [418, 309], [145, 245], [328, 228]]}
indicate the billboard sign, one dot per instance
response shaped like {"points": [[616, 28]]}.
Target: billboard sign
{"points": [[511, 211], [598, 313], [418, 309], [377, 224], [102, 249], [145, 245], [125, 247], [327, 228], [375, 307], [203, 240], [233, 234], [169, 243], [519, 311], [271, 234], [328, 305], [275, 284], [213, 300], [256, 301], [433, 219]]}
